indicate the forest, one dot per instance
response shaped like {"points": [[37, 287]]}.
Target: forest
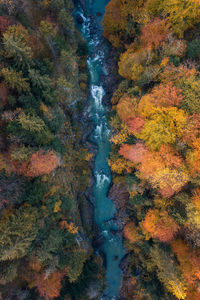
{"points": [[155, 156], [46, 223], [45, 251]]}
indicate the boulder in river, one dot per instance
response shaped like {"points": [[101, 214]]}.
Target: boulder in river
{"points": [[79, 19], [98, 241]]}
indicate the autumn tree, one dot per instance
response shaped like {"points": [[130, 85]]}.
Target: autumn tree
{"points": [[136, 124], [160, 225], [18, 230], [16, 44], [181, 15], [131, 63], [42, 163], [176, 74], [163, 95], [120, 165], [134, 153], [126, 108], [130, 232], [191, 131], [15, 80], [164, 170], [193, 158], [191, 91], [49, 286], [168, 272], [196, 198], [39, 81], [116, 19], [164, 126], [155, 33], [188, 259], [175, 47], [121, 136]]}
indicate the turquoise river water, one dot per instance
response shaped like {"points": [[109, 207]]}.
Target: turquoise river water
{"points": [[105, 210]]}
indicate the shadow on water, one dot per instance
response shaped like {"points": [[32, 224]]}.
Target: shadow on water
{"points": [[89, 24]]}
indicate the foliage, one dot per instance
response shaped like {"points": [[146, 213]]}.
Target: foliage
{"points": [[168, 273], [126, 108], [15, 80], [44, 168], [17, 233], [160, 225], [155, 143], [17, 45], [130, 232], [154, 33], [49, 286], [164, 126]]}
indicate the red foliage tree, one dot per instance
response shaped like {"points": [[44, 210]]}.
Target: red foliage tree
{"points": [[134, 153], [135, 125], [160, 225], [154, 33]]}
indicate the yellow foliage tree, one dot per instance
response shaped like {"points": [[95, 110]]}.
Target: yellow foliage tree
{"points": [[164, 126]]}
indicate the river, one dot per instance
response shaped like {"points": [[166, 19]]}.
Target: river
{"points": [[105, 210]]}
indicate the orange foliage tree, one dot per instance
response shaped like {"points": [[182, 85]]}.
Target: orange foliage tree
{"points": [[40, 163], [70, 227], [115, 20], [49, 286], [189, 260], [164, 169], [126, 108], [43, 163], [196, 198], [130, 232], [160, 225], [163, 95]]}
